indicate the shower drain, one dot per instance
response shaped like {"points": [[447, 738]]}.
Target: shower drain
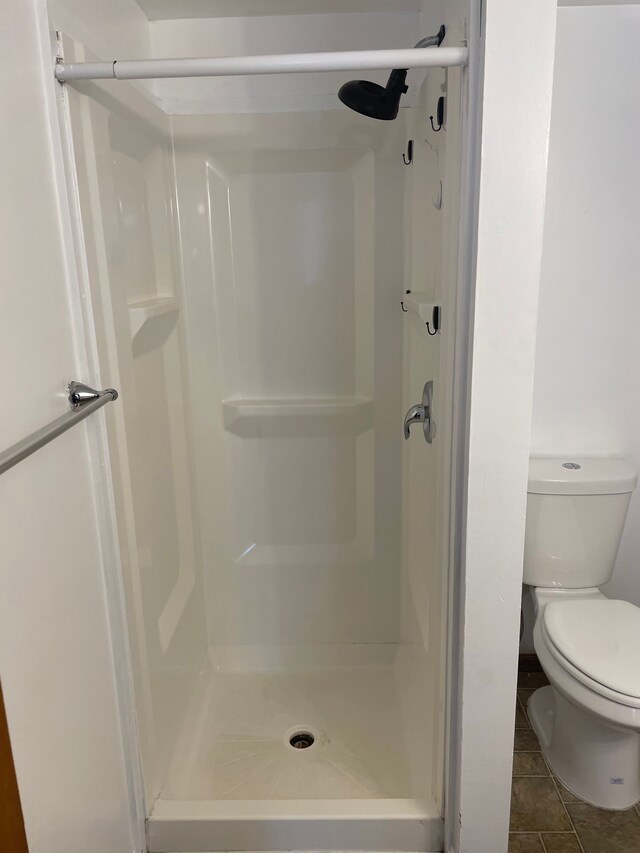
{"points": [[301, 740]]}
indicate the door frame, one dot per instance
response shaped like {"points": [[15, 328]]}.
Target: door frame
{"points": [[65, 659], [504, 181], [510, 72]]}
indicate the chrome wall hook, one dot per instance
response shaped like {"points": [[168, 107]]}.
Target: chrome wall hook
{"points": [[439, 115], [408, 158]]}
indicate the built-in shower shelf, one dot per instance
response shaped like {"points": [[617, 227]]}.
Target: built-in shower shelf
{"points": [[147, 312], [299, 417]]}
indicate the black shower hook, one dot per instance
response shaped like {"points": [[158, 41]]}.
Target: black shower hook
{"points": [[440, 116], [408, 158], [436, 322]]}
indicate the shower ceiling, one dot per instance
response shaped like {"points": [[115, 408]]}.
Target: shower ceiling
{"points": [[162, 10]]}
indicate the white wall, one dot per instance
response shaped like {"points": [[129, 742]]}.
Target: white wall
{"points": [[56, 659], [587, 396]]}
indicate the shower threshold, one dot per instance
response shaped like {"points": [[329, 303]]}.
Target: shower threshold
{"points": [[239, 779], [372, 825]]}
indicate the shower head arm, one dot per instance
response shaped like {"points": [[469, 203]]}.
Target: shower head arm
{"points": [[382, 102], [433, 41]]}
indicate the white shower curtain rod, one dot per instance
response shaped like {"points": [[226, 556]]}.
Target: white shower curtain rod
{"points": [[284, 63]]}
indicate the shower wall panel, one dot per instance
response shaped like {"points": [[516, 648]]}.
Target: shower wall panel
{"points": [[292, 265], [125, 183], [431, 245], [424, 506], [276, 33]]}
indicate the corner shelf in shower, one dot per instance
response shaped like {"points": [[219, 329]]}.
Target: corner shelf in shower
{"points": [[145, 313], [298, 417]]}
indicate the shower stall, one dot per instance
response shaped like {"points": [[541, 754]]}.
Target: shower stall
{"points": [[273, 282]]}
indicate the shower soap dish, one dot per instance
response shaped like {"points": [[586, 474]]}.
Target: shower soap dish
{"points": [[145, 311]]}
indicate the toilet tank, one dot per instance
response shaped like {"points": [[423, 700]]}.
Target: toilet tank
{"points": [[576, 509]]}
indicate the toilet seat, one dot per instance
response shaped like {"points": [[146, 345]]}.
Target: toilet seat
{"points": [[597, 640]]}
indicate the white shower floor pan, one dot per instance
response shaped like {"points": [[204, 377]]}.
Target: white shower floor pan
{"points": [[236, 783]]}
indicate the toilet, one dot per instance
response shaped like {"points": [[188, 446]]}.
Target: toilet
{"points": [[588, 719]]}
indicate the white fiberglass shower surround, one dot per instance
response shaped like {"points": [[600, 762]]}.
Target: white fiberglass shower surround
{"points": [[263, 266]]}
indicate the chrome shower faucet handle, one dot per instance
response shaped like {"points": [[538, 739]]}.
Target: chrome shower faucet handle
{"points": [[422, 413]]}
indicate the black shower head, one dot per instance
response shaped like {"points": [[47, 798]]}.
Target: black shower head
{"points": [[373, 100], [383, 102]]}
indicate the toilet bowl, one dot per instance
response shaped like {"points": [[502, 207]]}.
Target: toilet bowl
{"points": [[588, 719], [589, 732]]}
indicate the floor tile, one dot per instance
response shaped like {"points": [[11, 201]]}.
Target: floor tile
{"points": [[526, 740], [525, 842], [522, 721], [561, 842], [565, 794], [536, 806], [524, 693], [532, 679], [603, 831], [540, 802], [529, 764]]}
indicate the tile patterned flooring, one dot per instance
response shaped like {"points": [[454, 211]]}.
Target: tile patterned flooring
{"points": [[545, 816]]}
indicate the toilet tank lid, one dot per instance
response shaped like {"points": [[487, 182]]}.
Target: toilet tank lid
{"points": [[571, 475]]}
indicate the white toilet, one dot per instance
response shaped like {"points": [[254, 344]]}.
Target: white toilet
{"points": [[588, 720]]}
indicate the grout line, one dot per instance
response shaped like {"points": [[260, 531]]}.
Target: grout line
{"points": [[579, 843], [523, 708], [556, 783], [556, 832], [575, 831], [525, 712], [566, 811], [542, 832]]}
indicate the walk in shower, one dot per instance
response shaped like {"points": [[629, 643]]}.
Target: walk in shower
{"points": [[272, 280]]}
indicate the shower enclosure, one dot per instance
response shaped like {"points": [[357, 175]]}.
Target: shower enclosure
{"points": [[272, 280]]}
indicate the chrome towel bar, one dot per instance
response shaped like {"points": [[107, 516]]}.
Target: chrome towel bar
{"points": [[83, 401]]}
